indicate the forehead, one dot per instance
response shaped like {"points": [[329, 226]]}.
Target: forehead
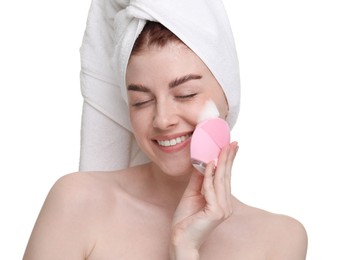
{"points": [[170, 60]]}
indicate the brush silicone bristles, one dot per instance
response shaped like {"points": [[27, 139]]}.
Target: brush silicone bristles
{"points": [[210, 136]]}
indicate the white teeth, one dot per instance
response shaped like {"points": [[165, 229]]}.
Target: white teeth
{"points": [[174, 141]]}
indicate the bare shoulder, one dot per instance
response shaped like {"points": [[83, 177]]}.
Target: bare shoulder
{"points": [[77, 190], [290, 237], [82, 191], [86, 193], [78, 184], [285, 236], [75, 201]]}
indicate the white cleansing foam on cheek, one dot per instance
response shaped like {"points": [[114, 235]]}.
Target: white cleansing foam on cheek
{"points": [[209, 137]]}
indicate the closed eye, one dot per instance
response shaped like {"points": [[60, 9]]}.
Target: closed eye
{"points": [[142, 103], [186, 96]]}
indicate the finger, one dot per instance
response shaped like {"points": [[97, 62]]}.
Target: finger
{"points": [[195, 184], [223, 177], [208, 186], [229, 165], [225, 163]]}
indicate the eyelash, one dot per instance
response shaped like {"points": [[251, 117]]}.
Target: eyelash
{"points": [[187, 96], [184, 97], [139, 104]]}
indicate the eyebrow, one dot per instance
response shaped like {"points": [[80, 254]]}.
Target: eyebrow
{"points": [[183, 79], [172, 84], [138, 87]]}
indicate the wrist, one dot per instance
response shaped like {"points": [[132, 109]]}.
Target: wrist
{"points": [[183, 253], [181, 248]]}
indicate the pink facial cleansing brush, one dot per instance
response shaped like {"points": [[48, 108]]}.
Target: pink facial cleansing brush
{"points": [[209, 137]]}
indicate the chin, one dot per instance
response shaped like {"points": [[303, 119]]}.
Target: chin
{"points": [[174, 164], [177, 169]]}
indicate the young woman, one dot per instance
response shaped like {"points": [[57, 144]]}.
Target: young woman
{"points": [[164, 209]]}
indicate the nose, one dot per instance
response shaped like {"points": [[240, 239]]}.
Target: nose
{"points": [[165, 116]]}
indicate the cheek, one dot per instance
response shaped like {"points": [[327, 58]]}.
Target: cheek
{"points": [[136, 119], [192, 112], [223, 108], [221, 103], [138, 123]]}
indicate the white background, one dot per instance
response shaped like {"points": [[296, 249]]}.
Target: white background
{"points": [[286, 129]]}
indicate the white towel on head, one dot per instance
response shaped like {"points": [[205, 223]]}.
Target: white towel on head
{"points": [[107, 142]]}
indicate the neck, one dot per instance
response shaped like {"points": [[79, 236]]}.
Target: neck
{"points": [[168, 189]]}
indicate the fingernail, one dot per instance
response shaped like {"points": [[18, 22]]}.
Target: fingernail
{"points": [[236, 146], [213, 167]]}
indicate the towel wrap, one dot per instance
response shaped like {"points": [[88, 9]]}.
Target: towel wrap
{"points": [[107, 141]]}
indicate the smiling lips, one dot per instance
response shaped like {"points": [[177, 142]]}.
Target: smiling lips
{"points": [[174, 141]]}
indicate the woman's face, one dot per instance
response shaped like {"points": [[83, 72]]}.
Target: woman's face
{"points": [[167, 89]]}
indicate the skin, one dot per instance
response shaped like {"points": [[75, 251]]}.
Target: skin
{"points": [[164, 209]]}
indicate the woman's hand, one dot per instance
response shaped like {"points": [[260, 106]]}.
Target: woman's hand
{"points": [[205, 204]]}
